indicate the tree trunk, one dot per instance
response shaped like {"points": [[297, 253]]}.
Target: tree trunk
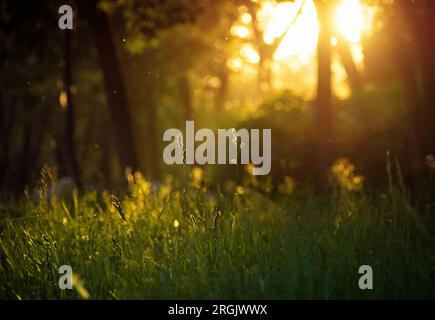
{"points": [[4, 143], [33, 137], [265, 73], [153, 147], [69, 131], [121, 120], [412, 101], [405, 39], [106, 154], [352, 72], [323, 114], [426, 27], [24, 161]]}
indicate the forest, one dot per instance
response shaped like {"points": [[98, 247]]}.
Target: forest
{"points": [[317, 153]]}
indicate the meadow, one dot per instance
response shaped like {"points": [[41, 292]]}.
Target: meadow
{"points": [[186, 240], [111, 113]]}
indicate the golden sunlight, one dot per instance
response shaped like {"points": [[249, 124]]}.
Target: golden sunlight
{"points": [[298, 47], [295, 55], [352, 21], [301, 38]]}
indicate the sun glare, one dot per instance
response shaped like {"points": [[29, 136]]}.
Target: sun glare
{"points": [[301, 39], [352, 20], [297, 50]]}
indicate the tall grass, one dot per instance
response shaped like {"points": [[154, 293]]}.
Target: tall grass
{"points": [[183, 242]]}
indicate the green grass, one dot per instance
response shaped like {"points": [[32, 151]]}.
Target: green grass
{"points": [[225, 246]]}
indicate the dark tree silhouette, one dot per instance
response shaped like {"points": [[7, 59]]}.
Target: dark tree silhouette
{"points": [[413, 24], [69, 131], [425, 25], [114, 83], [353, 75], [323, 114]]}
